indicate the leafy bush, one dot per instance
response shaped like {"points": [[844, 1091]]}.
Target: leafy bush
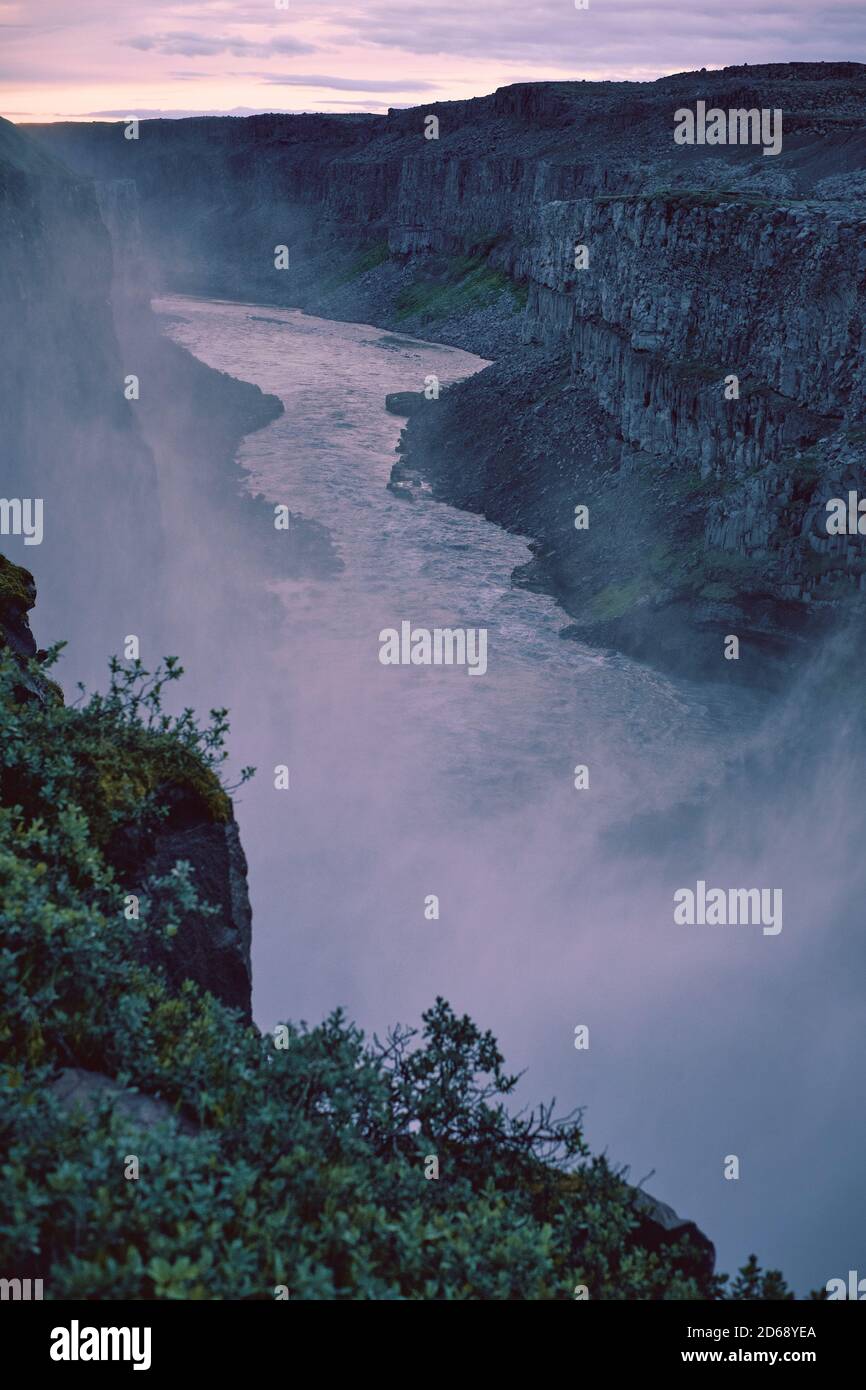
{"points": [[300, 1166]]}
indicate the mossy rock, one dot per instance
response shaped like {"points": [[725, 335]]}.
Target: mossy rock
{"points": [[17, 597], [119, 777], [17, 586]]}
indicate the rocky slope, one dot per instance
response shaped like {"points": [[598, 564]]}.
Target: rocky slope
{"points": [[610, 383]]}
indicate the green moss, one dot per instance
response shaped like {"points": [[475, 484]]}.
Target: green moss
{"points": [[376, 254], [464, 283], [123, 772], [121, 751], [718, 573], [16, 584], [697, 371], [615, 600], [692, 485]]}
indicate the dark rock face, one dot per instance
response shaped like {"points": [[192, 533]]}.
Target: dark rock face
{"points": [[17, 597], [405, 403], [213, 949], [641, 577], [661, 1227]]}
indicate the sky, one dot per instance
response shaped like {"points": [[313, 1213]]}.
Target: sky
{"points": [[104, 59]]}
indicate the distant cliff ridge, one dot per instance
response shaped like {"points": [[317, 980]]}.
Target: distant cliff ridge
{"points": [[699, 365]]}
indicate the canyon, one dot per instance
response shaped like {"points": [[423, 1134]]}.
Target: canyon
{"points": [[609, 388], [708, 263]]}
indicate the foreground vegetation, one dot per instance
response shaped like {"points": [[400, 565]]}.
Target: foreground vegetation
{"points": [[293, 1161]]}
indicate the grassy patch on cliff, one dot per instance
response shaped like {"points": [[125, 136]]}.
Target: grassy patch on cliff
{"points": [[615, 600], [302, 1160], [370, 258], [461, 283]]}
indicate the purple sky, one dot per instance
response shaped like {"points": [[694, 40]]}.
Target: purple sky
{"points": [[100, 58]]}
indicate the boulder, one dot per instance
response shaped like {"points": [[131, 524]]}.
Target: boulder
{"points": [[405, 403], [78, 1089]]}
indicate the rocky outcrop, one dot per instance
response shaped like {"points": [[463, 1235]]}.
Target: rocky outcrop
{"points": [[196, 826], [656, 1227], [405, 403], [213, 945], [660, 1227], [17, 597]]}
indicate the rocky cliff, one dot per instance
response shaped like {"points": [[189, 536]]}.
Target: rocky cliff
{"points": [[193, 821], [614, 380]]}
